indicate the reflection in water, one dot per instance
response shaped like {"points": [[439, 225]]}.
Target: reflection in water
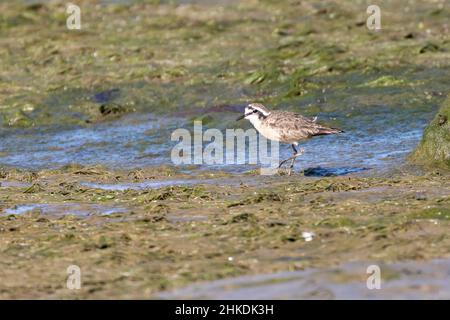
{"points": [[331, 172]]}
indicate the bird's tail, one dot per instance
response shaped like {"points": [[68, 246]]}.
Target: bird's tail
{"points": [[324, 131]]}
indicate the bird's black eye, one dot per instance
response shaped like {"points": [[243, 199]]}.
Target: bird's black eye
{"points": [[255, 111]]}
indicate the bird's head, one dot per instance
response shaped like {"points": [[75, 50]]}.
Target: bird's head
{"points": [[254, 112]]}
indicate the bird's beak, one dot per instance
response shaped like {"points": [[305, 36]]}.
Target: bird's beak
{"points": [[241, 117]]}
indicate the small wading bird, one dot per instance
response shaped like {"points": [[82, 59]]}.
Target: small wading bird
{"points": [[284, 126]]}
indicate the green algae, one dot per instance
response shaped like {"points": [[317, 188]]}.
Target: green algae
{"points": [[434, 213], [385, 81], [285, 61], [337, 222], [159, 244], [434, 148]]}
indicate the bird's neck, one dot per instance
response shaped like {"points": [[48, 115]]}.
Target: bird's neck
{"points": [[256, 122]]}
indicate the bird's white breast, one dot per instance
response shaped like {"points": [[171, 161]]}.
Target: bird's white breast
{"points": [[267, 131]]}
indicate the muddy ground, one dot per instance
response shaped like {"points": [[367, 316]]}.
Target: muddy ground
{"points": [[171, 236], [201, 59]]}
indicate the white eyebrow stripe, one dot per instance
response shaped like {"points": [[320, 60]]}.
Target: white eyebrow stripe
{"points": [[262, 111], [260, 108]]}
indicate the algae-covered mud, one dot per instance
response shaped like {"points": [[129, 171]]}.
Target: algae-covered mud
{"points": [[434, 148], [162, 238], [86, 177]]}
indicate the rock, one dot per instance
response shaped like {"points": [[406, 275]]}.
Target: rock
{"points": [[434, 149]]}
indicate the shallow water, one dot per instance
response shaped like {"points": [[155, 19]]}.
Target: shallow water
{"points": [[77, 209], [143, 185], [403, 280], [143, 140], [14, 184], [155, 184], [115, 144]]}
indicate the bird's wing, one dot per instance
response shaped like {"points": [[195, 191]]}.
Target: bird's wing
{"points": [[293, 126]]}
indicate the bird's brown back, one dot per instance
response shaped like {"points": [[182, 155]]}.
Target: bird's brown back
{"points": [[293, 127]]}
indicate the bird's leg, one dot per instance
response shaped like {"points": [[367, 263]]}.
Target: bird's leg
{"points": [[293, 159], [294, 156]]}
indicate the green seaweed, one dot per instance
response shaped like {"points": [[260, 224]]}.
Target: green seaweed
{"points": [[434, 148]]}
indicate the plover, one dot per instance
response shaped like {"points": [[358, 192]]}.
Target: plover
{"points": [[284, 126]]}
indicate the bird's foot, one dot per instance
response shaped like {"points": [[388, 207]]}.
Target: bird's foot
{"points": [[292, 159]]}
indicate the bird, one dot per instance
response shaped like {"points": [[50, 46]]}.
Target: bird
{"points": [[285, 127]]}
